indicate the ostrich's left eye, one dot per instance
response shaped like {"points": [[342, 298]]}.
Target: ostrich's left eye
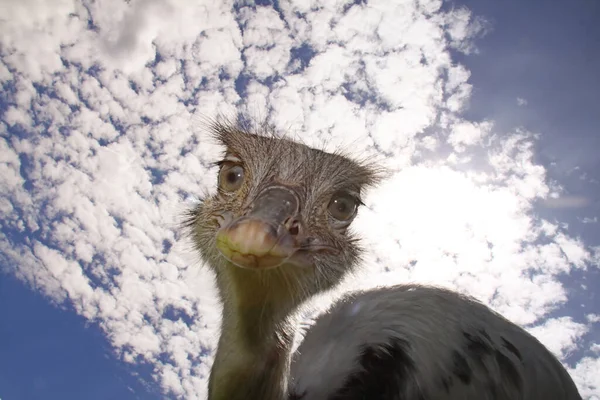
{"points": [[342, 206], [231, 177]]}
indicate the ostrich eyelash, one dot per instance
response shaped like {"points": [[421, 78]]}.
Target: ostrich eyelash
{"points": [[227, 160]]}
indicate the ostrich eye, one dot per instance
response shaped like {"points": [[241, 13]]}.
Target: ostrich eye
{"points": [[231, 177], [342, 206]]}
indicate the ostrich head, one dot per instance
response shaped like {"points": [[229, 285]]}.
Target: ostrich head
{"points": [[280, 217]]}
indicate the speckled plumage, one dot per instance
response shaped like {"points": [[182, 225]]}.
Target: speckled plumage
{"points": [[413, 342]]}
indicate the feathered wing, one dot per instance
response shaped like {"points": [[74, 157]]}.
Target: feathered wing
{"points": [[418, 343]]}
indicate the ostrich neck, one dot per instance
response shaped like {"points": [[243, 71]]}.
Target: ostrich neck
{"points": [[253, 353]]}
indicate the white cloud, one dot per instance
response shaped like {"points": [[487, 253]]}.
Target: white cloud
{"points": [[521, 101], [463, 27], [585, 375], [594, 318], [466, 133], [96, 166]]}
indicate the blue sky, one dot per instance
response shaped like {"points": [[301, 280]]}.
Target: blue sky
{"points": [[487, 113]]}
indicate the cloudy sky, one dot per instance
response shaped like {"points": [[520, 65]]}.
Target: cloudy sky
{"points": [[486, 114]]}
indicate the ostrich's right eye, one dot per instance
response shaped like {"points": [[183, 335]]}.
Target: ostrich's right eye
{"points": [[231, 177]]}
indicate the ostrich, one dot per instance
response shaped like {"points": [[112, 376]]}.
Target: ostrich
{"points": [[276, 233]]}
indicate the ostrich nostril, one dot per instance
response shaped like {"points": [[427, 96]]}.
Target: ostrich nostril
{"points": [[293, 226]]}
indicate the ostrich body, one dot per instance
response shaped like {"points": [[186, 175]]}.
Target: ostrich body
{"points": [[411, 342], [276, 233]]}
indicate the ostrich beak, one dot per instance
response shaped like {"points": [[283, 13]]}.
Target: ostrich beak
{"points": [[268, 235]]}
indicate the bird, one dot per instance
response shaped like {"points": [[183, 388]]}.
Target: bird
{"points": [[277, 232]]}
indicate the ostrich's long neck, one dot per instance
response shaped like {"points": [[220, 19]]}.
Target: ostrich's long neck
{"points": [[253, 353]]}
